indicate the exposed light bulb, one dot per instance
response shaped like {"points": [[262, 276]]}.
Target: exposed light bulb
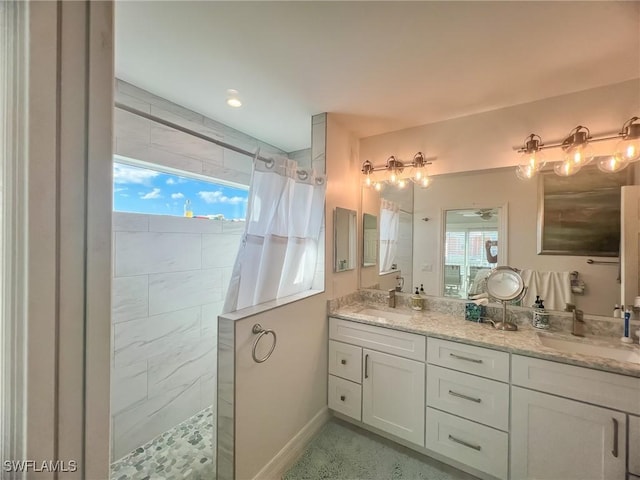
{"points": [[580, 155], [370, 180], [612, 163], [535, 161], [566, 168], [425, 181], [526, 171], [393, 178], [629, 149], [402, 183], [377, 186]]}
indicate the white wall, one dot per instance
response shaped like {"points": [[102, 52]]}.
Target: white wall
{"points": [[343, 190], [170, 275], [276, 399], [485, 140]]}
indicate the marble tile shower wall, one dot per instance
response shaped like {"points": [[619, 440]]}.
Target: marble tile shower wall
{"points": [[170, 275]]}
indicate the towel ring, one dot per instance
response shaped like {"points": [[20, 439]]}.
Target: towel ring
{"points": [[258, 330]]}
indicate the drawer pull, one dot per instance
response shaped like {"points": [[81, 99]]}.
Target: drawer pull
{"points": [[615, 437], [343, 361], [343, 398], [466, 397], [466, 444], [459, 357]]}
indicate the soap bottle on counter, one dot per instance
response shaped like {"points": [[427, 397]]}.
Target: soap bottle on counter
{"points": [[540, 316], [416, 301]]}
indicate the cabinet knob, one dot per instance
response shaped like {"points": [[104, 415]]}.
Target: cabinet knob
{"points": [[343, 361], [342, 397]]}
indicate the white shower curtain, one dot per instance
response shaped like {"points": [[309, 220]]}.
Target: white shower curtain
{"points": [[389, 225], [279, 250]]}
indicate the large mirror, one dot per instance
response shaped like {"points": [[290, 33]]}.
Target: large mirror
{"points": [[595, 287], [393, 206], [344, 229]]}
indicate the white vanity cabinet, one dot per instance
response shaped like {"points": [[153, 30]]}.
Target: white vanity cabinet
{"points": [[393, 395], [468, 405], [383, 369], [554, 437], [634, 445], [494, 414]]}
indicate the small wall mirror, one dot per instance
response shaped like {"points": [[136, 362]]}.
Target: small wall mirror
{"points": [[344, 230], [369, 240]]}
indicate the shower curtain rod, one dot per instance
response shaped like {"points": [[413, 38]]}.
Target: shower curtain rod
{"points": [[201, 136]]}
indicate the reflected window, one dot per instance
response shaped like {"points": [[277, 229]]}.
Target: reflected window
{"points": [[470, 249]]}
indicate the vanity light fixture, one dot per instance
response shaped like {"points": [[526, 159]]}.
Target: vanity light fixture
{"points": [[577, 151], [398, 173]]}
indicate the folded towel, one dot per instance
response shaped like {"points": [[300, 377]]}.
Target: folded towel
{"points": [[554, 288]]}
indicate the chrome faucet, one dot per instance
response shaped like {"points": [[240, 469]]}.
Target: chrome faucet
{"points": [[392, 297], [578, 323]]}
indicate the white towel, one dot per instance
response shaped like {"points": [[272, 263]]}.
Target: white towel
{"points": [[554, 288]]}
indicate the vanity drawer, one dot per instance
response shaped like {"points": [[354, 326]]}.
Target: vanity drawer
{"points": [[345, 397], [478, 399], [387, 340], [468, 358], [634, 445], [468, 442], [584, 384], [345, 361]]}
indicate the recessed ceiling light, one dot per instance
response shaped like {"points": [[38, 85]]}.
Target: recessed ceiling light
{"points": [[232, 98]]}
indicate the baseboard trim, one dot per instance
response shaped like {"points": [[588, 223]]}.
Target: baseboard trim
{"points": [[285, 458]]}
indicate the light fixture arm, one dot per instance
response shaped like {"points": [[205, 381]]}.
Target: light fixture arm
{"points": [[564, 143], [630, 129], [419, 160], [533, 143]]}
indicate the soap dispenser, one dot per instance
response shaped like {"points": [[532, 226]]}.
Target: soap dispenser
{"points": [[540, 316], [416, 301]]}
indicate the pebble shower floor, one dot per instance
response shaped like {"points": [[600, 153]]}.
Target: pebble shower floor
{"points": [[184, 452]]}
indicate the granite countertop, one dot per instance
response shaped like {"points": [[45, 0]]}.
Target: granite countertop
{"points": [[525, 341]]}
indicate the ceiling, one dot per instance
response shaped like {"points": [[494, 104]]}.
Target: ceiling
{"points": [[379, 66]]}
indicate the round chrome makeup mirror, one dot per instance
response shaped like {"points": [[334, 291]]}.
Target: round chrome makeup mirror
{"points": [[505, 285]]}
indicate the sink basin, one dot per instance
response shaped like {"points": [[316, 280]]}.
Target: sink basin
{"points": [[568, 346], [374, 312]]}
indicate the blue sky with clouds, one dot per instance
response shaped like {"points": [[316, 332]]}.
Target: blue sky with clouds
{"points": [[141, 190]]}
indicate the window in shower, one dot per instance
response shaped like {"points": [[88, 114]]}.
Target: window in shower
{"points": [[140, 189]]}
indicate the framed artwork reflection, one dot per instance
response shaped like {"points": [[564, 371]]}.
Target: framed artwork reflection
{"points": [[580, 215]]}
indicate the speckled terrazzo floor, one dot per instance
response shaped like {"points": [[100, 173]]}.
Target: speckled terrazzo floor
{"points": [[184, 452], [344, 452]]}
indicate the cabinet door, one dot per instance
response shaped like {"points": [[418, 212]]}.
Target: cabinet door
{"points": [[554, 438], [393, 395]]}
